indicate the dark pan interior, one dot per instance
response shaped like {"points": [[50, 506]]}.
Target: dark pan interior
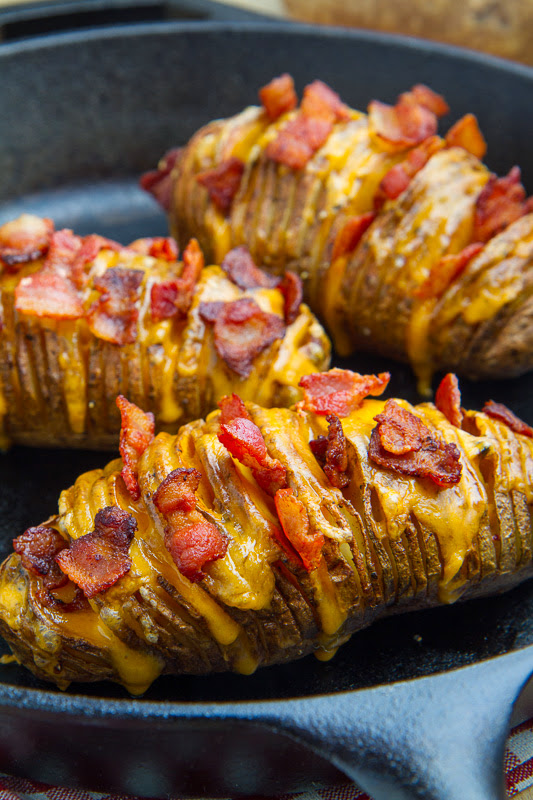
{"points": [[84, 114]]}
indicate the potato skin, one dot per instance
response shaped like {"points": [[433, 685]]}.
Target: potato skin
{"points": [[290, 220], [391, 544], [59, 380]]}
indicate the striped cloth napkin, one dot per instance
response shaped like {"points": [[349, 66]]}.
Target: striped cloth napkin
{"points": [[518, 774]]}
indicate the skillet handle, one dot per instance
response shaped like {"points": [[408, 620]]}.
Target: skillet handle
{"points": [[436, 738]]}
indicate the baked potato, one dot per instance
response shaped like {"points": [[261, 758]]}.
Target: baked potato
{"points": [[261, 535], [83, 319], [406, 244]]}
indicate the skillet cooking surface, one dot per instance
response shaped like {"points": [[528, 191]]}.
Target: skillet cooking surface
{"points": [[75, 138]]}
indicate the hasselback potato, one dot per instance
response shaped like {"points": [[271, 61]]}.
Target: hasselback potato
{"points": [[407, 245], [261, 535], [83, 319]]}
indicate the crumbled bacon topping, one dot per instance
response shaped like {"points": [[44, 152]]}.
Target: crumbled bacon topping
{"points": [[299, 139], [466, 134], [411, 120], [244, 440], [446, 270], [448, 399], [222, 182], [231, 407], [37, 548], [501, 202], [331, 452], [278, 96], [308, 543], [158, 182], [242, 330], [211, 310], [320, 101], [291, 288], [350, 234], [90, 247], [339, 391], [24, 239], [136, 433], [190, 539], [402, 443], [503, 414], [426, 97], [174, 297], [113, 316], [163, 297], [177, 491], [97, 560], [48, 294], [162, 247], [398, 178], [241, 269]]}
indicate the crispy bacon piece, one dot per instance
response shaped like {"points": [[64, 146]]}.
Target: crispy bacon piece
{"points": [[163, 247], [278, 96], [244, 440], [163, 297], [402, 443], [398, 178], [177, 491], [298, 140], [195, 546], [426, 97], [222, 182], [97, 560], [242, 331], [240, 268], [448, 399], [158, 182], [331, 452], [319, 100], [48, 294], [209, 311], [339, 391], [63, 249], [502, 201], [37, 548], [503, 414], [350, 234], [403, 125], [174, 297], [231, 407], [291, 288], [113, 316], [193, 264], [191, 541], [136, 433], [446, 270], [24, 239], [297, 528], [90, 247], [466, 134]]}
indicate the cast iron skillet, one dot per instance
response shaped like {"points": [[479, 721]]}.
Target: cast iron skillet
{"points": [[83, 113]]}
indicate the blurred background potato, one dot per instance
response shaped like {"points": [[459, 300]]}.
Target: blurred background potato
{"points": [[501, 27]]}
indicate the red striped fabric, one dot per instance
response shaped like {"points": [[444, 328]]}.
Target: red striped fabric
{"points": [[518, 766]]}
